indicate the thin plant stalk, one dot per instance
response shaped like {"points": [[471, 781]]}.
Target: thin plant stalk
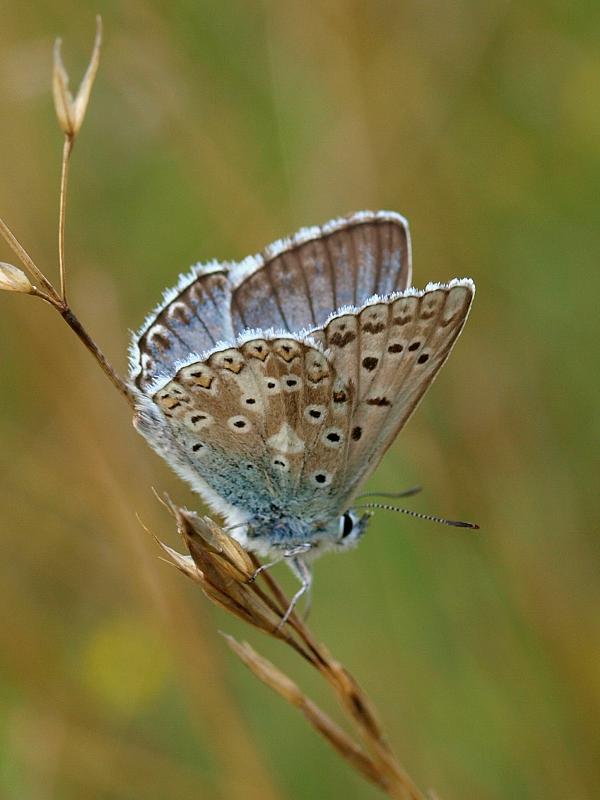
{"points": [[64, 179], [70, 112], [51, 296], [26, 260]]}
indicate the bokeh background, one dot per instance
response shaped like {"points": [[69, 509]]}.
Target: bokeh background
{"points": [[215, 128]]}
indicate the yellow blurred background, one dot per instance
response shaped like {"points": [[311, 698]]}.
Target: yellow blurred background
{"points": [[213, 129]]}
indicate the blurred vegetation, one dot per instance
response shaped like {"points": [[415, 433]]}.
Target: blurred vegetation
{"points": [[213, 129]]}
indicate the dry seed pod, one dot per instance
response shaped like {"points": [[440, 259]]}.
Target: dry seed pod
{"points": [[71, 110], [13, 279]]}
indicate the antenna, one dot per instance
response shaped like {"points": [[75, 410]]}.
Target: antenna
{"points": [[430, 517]]}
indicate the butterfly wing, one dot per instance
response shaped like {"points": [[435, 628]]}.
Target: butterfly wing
{"points": [[296, 283], [389, 352], [192, 318], [238, 425], [293, 285]]}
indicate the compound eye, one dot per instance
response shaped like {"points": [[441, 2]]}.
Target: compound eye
{"points": [[346, 525]]}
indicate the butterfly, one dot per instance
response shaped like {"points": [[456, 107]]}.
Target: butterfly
{"points": [[275, 385]]}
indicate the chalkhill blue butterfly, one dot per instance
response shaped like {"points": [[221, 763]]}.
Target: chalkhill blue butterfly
{"points": [[275, 385]]}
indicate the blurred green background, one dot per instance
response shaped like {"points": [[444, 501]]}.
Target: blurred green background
{"points": [[213, 129]]}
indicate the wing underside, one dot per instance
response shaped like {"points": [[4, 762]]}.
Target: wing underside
{"points": [[391, 351], [294, 286]]}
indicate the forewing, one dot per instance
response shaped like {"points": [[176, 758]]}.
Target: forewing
{"points": [[391, 351], [244, 419], [297, 283], [192, 318]]}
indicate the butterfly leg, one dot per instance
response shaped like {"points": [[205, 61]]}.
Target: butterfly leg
{"points": [[307, 602], [295, 551], [302, 570], [262, 568]]}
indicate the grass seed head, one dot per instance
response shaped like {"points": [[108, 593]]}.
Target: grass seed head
{"points": [[13, 279], [71, 110]]}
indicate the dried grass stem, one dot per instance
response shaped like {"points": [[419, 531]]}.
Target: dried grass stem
{"points": [[64, 179], [225, 573]]}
